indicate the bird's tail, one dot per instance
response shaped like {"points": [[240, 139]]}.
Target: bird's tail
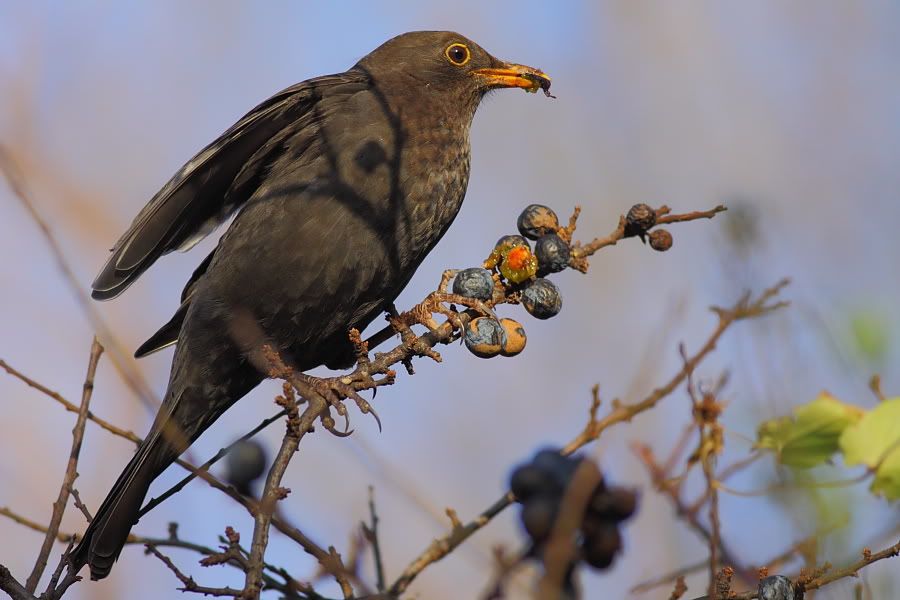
{"points": [[108, 530]]}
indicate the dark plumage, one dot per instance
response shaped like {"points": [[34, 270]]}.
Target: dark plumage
{"points": [[342, 184]]}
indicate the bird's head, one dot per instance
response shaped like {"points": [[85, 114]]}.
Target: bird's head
{"points": [[450, 65]]}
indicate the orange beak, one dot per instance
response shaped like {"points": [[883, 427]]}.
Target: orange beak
{"points": [[515, 76]]}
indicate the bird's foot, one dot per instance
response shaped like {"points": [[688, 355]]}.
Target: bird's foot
{"points": [[335, 390]]}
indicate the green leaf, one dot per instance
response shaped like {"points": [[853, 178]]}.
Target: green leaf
{"points": [[811, 436], [874, 441], [870, 332]]}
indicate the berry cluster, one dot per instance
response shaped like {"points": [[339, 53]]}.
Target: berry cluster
{"points": [[514, 271], [514, 267], [540, 485], [639, 220]]}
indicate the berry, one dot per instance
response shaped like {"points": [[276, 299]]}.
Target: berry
{"points": [[776, 587], [639, 220], [244, 464], [552, 253], [660, 240], [601, 546], [560, 467], [485, 337], [511, 241], [515, 337], [528, 481], [519, 264], [512, 256], [541, 299], [616, 504], [538, 516], [474, 283], [537, 220]]}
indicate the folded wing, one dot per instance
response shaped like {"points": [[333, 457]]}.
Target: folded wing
{"points": [[202, 194]]}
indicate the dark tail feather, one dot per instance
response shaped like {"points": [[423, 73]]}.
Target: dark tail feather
{"points": [[107, 532]]}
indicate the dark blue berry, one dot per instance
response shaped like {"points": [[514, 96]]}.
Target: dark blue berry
{"points": [[776, 587], [538, 516], [541, 299], [601, 546], [244, 464], [537, 220], [616, 504], [561, 468], [552, 253], [474, 283], [530, 480]]}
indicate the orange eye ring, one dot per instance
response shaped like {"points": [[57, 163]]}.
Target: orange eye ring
{"points": [[458, 54]]}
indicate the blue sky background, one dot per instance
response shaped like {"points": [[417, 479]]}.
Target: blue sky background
{"points": [[787, 111]]}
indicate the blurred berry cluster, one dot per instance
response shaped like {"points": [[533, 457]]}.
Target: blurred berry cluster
{"points": [[540, 486]]}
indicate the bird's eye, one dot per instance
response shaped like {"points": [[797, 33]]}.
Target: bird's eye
{"points": [[458, 54]]}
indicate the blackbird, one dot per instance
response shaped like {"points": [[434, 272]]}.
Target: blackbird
{"points": [[341, 185]]}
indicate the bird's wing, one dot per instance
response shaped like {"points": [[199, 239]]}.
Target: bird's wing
{"points": [[199, 197], [167, 335]]}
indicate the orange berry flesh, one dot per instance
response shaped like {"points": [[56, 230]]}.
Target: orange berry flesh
{"points": [[518, 257]]}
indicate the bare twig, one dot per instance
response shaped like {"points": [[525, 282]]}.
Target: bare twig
{"points": [[11, 586], [581, 252], [76, 499], [645, 454], [745, 308], [560, 548], [680, 588], [805, 584], [188, 582], [62, 499], [195, 472], [706, 412], [371, 533], [875, 386], [120, 357], [273, 491]]}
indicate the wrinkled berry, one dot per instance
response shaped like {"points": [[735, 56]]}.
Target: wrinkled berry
{"points": [[515, 337], [776, 587], [538, 516], [660, 240], [474, 283], [244, 464], [639, 220], [537, 220], [485, 337], [541, 299], [530, 480], [552, 253]]}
